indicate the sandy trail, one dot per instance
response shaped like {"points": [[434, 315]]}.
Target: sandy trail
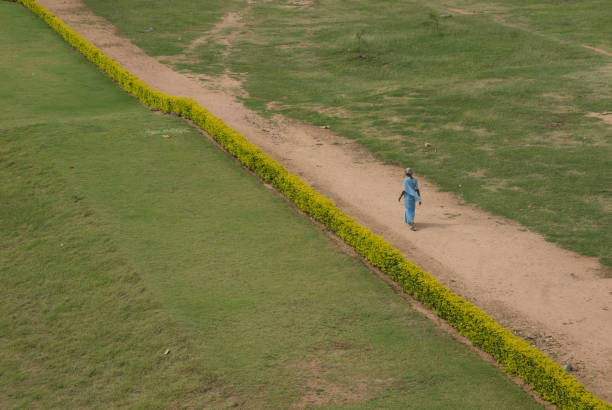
{"points": [[556, 299]]}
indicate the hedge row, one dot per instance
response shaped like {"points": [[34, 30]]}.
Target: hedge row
{"points": [[512, 353]]}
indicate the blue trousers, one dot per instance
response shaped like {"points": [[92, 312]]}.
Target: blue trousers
{"points": [[409, 210]]}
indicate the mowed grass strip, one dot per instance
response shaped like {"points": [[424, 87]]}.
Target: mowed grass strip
{"points": [[504, 107], [141, 267]]}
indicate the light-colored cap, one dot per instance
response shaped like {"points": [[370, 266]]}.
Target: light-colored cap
{"points": [[408, 171]]}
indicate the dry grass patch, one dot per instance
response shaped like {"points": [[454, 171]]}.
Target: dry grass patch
{"points": [[496, 185], [480, 84], [324, 387], [303, 44], [605, 203], [479, 173], [392, 138], [605, 116], [298, 4], [335, 112]]}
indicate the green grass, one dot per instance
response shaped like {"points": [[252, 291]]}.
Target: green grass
{"points": [[568, 21], [505, 111], [125, 233]]}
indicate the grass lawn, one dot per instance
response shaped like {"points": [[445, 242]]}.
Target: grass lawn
{"points": [[506, 117], [140, 267]]}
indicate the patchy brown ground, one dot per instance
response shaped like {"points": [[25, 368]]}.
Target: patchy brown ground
{"points": [[500, 19], [604, 116], [557, 300]]}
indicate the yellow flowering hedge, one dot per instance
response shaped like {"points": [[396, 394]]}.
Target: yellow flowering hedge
{"points": [[512, 353]]}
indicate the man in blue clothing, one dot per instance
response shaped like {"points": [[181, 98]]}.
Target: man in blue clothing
{"points": [[411, 195]]}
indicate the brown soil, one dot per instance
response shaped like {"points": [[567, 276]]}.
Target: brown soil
{"points": [[464, 12], [598, 50], [557, 300], [604, 116]]}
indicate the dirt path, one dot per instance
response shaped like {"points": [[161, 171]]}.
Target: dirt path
{"points": [[557, 300]]}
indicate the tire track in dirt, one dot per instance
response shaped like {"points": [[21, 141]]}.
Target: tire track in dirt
{"points": [[557, 300], [499, 19]]}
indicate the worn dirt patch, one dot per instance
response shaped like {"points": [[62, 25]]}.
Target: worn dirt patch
{"points": [[605, 116], [231, 22], [526, 283], [337, 112], [598, 50], [224, 34], [318, 390], [465, 12], [498, 18], [298, 4], [303, 44]]}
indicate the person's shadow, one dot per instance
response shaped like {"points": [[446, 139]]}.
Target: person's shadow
{"points": [[428, 225]]}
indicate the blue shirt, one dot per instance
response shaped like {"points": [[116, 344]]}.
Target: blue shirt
{"points": [[410, 187]]}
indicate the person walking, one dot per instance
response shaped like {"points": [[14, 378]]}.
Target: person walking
{"points": [[411, 195]]}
